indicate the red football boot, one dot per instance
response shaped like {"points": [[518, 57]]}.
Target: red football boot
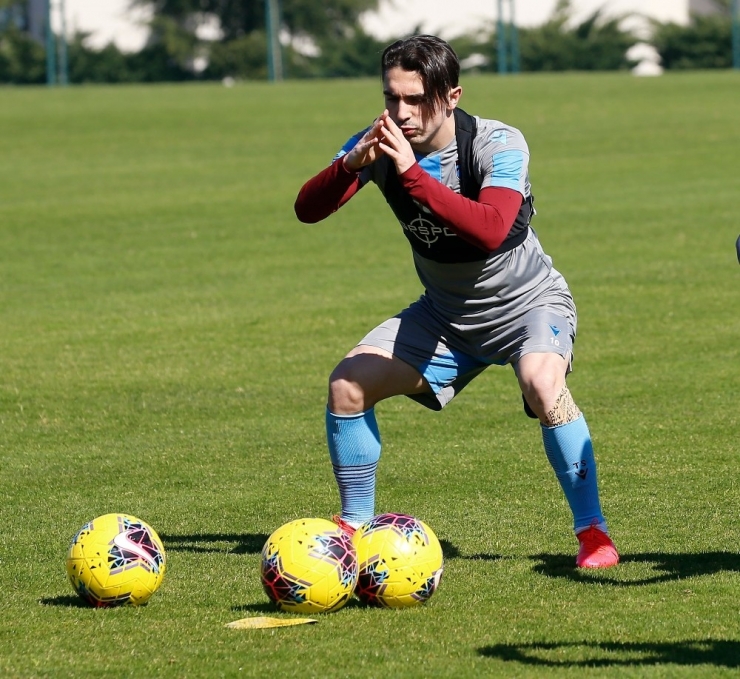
{"points": [[597, 550]]}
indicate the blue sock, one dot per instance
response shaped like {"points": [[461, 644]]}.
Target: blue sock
{"points": [[354, 448], [569, 450]]}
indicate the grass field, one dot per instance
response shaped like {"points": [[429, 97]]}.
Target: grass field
{"points": [[168, 327]]}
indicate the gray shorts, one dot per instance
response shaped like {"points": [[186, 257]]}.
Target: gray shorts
{"points": [[448, 360]]}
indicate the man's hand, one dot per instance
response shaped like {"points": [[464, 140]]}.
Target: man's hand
{"points": [[366, 150], [395, 145]]}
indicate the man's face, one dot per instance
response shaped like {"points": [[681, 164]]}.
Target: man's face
{"points": [[404, 95]]}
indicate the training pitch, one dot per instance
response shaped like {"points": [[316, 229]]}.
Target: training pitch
{"points": [[168, 328]]}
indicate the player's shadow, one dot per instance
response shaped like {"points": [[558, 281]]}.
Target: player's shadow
{"points": [[717, 652], [233, 543], [666, 566]]}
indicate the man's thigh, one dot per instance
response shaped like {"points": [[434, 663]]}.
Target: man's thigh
{"points": [[417, 340]]}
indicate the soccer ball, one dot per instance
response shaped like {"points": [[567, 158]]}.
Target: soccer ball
{"points": [[400, 561], [309, 566], [116, 559]]}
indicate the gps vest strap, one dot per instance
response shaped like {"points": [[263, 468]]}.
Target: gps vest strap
{"points": [[465, 131]]}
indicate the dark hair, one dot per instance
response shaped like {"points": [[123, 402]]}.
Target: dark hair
{"points": [[432, 58]]}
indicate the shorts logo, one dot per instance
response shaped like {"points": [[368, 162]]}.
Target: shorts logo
{"points": [[426, 231], [555, 330]]}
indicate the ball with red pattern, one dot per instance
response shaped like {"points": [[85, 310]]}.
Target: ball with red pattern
{"points": [[309, 566], [400, 561]]}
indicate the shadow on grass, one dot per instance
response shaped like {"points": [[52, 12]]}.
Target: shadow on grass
{"points": [[450, 551], [69, 601], [721, 653], [667, 566], [252, 543], [243, 543]]}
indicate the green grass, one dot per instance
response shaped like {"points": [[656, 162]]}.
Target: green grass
{"points": [[168, 328]]}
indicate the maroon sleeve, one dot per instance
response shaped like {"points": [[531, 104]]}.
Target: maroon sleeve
{"points": [[484, 223], [325, 193]]}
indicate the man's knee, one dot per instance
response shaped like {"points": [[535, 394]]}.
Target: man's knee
{"points": [[542, 380], [369, 375], [346, 391]]}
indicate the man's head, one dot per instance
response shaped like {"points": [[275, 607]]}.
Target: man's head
{"points": [[420, 84], [435, 62]]}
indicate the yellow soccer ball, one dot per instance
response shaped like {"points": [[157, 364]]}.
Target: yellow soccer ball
{"points": [[116, 559], [400, 561], [309, 566]]}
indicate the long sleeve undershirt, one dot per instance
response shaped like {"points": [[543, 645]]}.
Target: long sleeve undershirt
{"points": [[484, 223]]}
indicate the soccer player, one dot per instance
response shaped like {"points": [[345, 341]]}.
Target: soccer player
{"points": [[459, 186]]}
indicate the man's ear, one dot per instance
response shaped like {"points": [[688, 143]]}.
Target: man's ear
{"points": [[454, 97]]}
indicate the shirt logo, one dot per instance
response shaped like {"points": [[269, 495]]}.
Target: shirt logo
{"points": [[499, 136], [426, 231]]}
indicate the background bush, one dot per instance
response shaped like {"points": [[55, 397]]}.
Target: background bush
{"points": [[339, 47], [705, 43]]}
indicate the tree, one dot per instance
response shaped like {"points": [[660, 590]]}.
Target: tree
{"points": [[241, 17], [705, 43], [595, 44], [352, 56], [243, 57], [242, 50], [22, 59], [110, 65]]}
